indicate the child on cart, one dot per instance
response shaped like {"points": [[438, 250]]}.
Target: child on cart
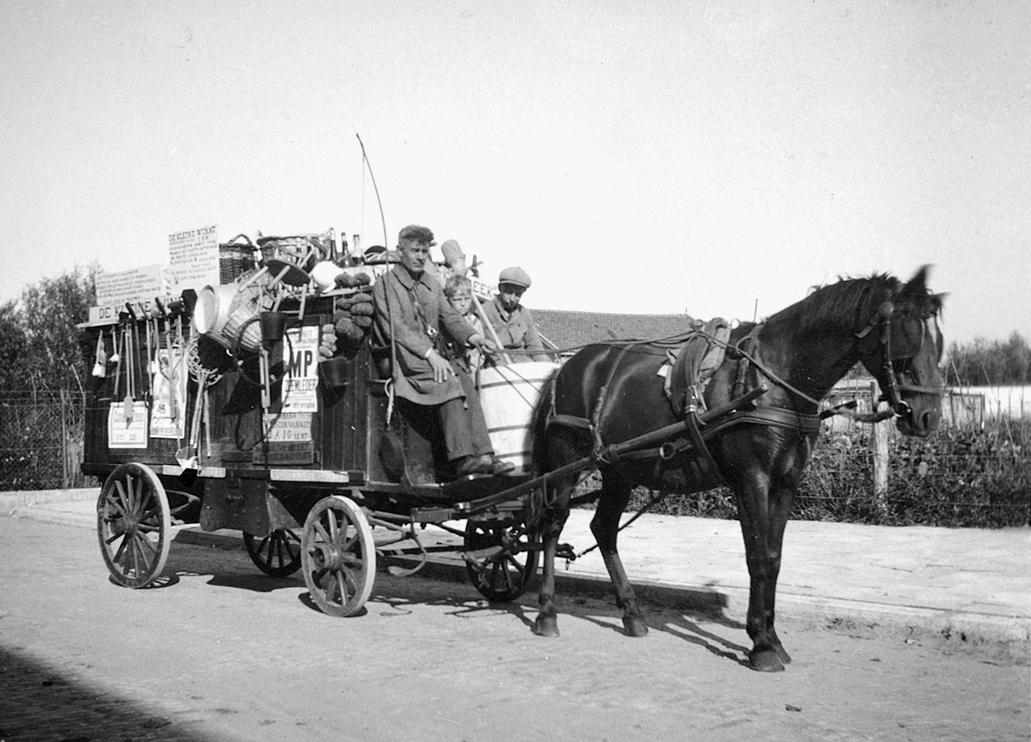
{"points": [[459, 291]]}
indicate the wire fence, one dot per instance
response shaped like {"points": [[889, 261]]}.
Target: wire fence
{"points": [[968, 474], [41, 440]]}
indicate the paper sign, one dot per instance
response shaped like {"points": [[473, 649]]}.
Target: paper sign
{"points": [[301, 378], [291, 428], [139, 284], [170, 368], [193, 259], [122, 433]]}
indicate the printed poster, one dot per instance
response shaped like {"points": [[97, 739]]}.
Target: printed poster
{"points": [[168, 382], [301, 375], [127, 432]]}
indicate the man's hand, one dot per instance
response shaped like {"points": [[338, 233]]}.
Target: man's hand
{"points": [[442, 370], [484, 344]]}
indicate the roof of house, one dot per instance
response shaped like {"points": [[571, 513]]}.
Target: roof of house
{"points": [[572, 329]]}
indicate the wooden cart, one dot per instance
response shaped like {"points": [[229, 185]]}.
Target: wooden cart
{"points": [[306, 489]]}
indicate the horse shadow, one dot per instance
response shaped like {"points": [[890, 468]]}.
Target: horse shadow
{"points": [[687, 624]]}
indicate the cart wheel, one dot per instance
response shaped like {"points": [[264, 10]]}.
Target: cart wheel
{"points": [[501, 559], [338, 556], [278, 554], [133, 525]]}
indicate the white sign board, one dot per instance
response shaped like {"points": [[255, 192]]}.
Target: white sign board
{"points": [[193, 259], [139, 284], [115, 289]]}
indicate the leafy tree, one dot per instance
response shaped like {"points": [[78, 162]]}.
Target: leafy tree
{"points": [[13, 348], [983, 362], [50, 312]]}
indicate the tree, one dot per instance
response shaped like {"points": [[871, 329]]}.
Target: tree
{"points": [[50, 312], [983, 362], [13, 348]]}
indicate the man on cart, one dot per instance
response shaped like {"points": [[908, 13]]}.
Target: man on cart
{"points": [[411, 312]]}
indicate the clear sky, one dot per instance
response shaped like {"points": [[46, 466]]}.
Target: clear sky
{"points": [[662, 156]]}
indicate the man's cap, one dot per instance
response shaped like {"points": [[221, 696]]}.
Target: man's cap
{"points": [[515, 276], [415, 233]]}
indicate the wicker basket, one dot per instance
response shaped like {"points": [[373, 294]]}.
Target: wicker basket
{"points": [[303, 251], [235, 258]]}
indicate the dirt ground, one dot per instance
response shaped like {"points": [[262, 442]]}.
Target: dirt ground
{"points": [[221, 652]]}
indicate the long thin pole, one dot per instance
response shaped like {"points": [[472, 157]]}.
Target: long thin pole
{"points": [[375, 187]]}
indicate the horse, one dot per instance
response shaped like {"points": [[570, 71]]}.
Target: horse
{"points": [[612, 392]]}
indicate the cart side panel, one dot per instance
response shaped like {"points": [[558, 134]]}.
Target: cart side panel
{"points": [[341, 431]]}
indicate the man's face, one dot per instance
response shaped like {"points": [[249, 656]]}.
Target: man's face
{"points": [[462, 301], [414, 256], [509, 295]]}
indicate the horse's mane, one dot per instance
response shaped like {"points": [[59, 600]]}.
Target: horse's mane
{"points": [[847, 304]]}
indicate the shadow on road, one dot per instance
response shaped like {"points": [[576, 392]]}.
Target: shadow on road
{"points": [[40, 702]]}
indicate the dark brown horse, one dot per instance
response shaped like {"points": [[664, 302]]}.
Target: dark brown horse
{"points": [[612, 392]]}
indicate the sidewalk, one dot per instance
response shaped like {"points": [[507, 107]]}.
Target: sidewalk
{"points": [[967, 585]]}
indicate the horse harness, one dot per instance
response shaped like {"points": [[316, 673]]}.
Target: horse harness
{"points": [[696, 431]]}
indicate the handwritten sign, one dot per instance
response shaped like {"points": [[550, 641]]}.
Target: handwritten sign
{"points": [[193, 259], [139, 284]]}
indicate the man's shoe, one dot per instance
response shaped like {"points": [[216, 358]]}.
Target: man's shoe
{"points": [[498, 467], [473, 465]]}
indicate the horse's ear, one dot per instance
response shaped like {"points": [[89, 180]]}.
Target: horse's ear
{"points": [[918, 283]]}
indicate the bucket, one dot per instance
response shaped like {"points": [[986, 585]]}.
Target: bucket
{"points": [[508, 395]]}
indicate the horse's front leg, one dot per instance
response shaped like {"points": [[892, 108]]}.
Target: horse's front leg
{"points": [[763, 558], [781, 504], [615, 494]]}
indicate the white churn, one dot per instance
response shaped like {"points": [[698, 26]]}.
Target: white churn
{"points": [[508, 395]]}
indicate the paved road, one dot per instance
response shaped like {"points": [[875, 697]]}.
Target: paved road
{"points": [[966, 585], [220, 652]]}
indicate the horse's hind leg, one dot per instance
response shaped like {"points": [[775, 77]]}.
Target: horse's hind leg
{"points": [[555, 515], [615, 495]]}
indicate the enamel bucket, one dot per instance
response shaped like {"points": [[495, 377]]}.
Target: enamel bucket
{"points": [[508, 395]]}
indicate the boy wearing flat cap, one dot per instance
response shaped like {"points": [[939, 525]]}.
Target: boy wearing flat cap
{"points": [[513, 322]]}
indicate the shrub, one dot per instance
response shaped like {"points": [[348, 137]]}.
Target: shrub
{"points": [[955, 478]]}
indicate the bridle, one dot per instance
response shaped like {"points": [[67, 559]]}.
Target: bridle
{"points": [[893, 388]]}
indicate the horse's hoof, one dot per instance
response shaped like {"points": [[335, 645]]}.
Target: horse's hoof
{"points": [[635, 626], [765, 660], [782, 653], [546, 626]]}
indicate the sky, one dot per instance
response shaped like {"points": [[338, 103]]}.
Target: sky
{"points": [[714, 158]]}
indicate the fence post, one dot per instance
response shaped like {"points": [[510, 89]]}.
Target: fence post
{"points": [[65, 484], [879, 452]]}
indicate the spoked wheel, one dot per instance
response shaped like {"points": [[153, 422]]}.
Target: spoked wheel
{"points": [[501, 558], [338, 556], [278, 554], [133, 525]]}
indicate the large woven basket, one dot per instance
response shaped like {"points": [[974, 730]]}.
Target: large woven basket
{"points": [[235, 258], [303, 251]]}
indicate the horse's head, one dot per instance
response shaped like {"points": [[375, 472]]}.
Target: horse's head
{"points": [[902, 347]]}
